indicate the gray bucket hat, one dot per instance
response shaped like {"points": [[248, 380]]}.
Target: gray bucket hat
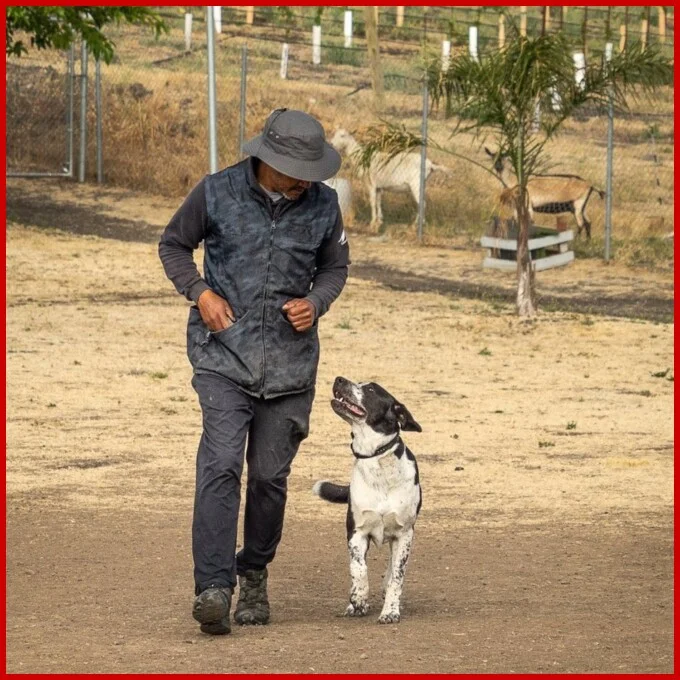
{"points": [[294, 143]]}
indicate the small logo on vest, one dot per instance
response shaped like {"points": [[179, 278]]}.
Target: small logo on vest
{"points": [[343, 238]]}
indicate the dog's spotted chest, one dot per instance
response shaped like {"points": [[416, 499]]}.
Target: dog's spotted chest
{"points": [[384, 496]]}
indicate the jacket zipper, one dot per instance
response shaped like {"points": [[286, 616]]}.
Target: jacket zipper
{"points": [[264, 305]]}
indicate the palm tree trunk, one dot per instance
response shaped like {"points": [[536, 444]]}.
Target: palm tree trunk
{"points": [[526, 290]]}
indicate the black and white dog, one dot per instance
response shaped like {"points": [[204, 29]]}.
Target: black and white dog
{"points": [[384, 495]]}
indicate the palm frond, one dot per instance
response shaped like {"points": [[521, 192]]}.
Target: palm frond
{"points": [[389, 139]]}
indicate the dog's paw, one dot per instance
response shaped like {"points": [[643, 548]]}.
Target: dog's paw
{"points": [[390, 617], [357, 609]]}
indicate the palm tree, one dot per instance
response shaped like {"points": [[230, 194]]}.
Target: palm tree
{"points": [[500, 94]]}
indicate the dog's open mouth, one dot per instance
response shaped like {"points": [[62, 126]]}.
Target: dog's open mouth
{"points": [[345, 404]]}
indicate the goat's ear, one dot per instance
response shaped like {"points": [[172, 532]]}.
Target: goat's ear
{"points": [[405, 419], [490, 153]]}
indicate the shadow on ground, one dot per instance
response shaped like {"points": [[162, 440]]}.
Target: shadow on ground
{"points": [[41, 210]]}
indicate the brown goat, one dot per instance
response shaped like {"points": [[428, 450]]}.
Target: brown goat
{"points": [[553, 194]]}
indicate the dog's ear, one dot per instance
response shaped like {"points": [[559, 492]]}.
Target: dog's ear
{"points": [[405, 419]]}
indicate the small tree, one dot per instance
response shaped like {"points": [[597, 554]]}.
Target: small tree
{"points": [[500, 94], [58, 27]]}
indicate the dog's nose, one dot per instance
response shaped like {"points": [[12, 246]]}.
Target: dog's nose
{"points": [[339, 381]]}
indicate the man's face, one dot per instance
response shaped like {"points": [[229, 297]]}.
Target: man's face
{"points": [[290, 187]]}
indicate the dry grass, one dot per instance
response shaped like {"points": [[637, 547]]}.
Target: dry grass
{"points": [[156, 120]]}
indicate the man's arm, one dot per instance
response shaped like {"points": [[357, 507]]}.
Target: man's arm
{"points": [[181, 237], [332, 264], [187, 228]]}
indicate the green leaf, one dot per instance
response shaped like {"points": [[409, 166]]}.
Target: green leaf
{"points": [[58, 27]]}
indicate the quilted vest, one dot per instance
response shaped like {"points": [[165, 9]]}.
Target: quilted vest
{"points": [[258, 255]]}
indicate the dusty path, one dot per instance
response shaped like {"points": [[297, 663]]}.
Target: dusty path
{"points": [[545, 541], [478, 600]]}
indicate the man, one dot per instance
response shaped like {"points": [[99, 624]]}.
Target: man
{"points": [[276, 257]]}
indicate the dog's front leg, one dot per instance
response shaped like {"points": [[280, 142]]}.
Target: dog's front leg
{"points": [[401, 549], [387, 576], [358, 569]]}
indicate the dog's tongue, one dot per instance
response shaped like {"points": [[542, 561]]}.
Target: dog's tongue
{"points": [[354, 409]]}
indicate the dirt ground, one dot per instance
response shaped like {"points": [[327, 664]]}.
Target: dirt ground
{"points": [[545, 542]]}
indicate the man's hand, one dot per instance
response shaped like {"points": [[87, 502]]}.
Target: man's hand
{"points": [[215, 311], [300, 313]]}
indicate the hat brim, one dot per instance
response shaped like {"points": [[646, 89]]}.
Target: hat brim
{"points": [[308, 171]]}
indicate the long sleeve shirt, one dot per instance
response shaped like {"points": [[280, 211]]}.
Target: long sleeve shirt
{"points": [[189, 226]]}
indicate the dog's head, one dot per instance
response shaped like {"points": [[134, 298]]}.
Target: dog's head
{"points": [[369, 404]]}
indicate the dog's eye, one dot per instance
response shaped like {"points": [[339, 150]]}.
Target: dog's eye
{"points": [[371, 389]]}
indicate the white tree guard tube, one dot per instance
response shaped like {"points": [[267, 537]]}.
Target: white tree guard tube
{"points": [[316, 44], [474, 51], [580, 69], [284, 61], [446, 54], [348, 28], [188, 19]]}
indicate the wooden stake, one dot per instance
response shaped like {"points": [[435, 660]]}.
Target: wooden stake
{"points": [[662, 24], [373, 48], [523, 21], [400, 17], [250, 15], [501, 31]]}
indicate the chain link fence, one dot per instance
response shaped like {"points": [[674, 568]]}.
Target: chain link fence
{"points": [[155, 115], [40, 98]]}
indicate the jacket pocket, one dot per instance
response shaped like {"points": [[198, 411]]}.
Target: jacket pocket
{"points": [[233, 352], [292, 357], [231, 330]]}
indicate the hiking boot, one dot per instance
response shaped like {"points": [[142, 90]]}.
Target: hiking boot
{"points": [[211, 610], [252, 607]]}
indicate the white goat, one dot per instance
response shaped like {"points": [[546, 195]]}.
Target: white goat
{"points": [[343, 188], [400, 174], [554, 194]]}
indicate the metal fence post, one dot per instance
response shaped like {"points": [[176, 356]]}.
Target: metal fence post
{"points": [[98, 113], [610, 168], [83, 111], [212, 102], [423, 161], [242, 115], [69, 111]]}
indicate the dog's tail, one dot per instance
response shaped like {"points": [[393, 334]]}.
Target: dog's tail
{"points": [[335, 493]]}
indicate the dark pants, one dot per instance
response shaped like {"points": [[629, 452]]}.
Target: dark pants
{"points": [[273, 430]]}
